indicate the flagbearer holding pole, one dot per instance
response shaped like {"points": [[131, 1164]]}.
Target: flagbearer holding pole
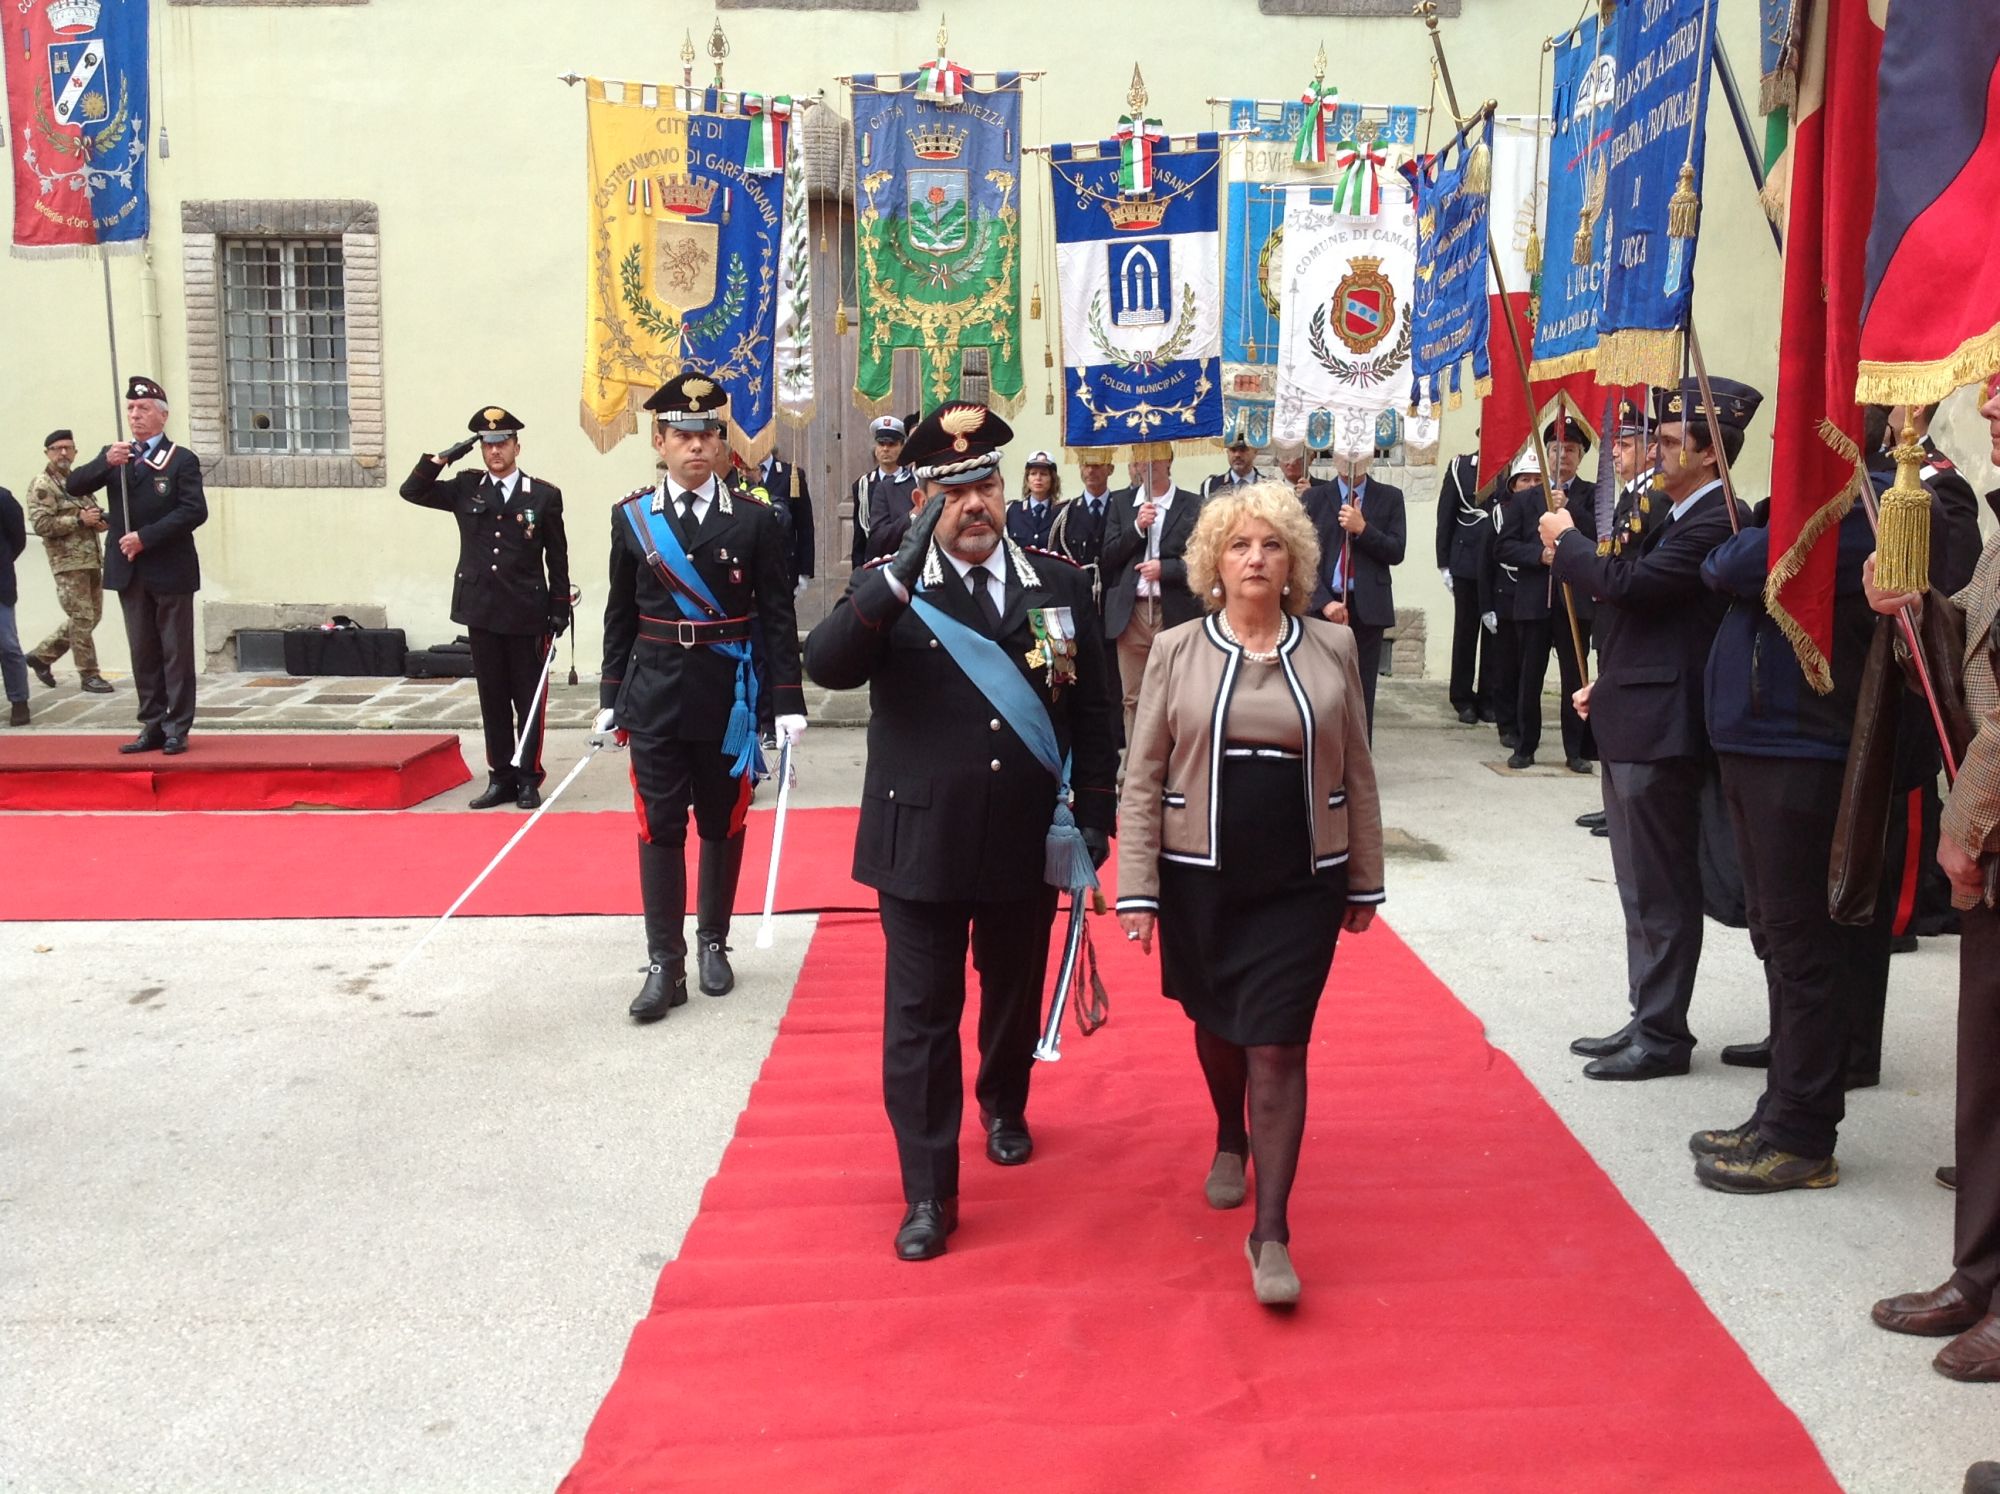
{"points": [[690, 567]]}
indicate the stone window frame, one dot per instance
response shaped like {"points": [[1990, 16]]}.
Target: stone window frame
{"points": [[204, 224]]}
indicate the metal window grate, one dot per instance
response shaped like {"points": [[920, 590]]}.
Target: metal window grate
{"points": [[284, 324]]}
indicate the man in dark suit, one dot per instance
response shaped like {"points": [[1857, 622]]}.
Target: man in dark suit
{"points": [[1240, 473], [691, 565], [955, 806], [778, 478], [1464, 543], [157, 503], [1363, 531], [1078, 534], [1145, 570], [885, 492], [1540, 610], [1656, 624], [510, 594], [1033, 514]]}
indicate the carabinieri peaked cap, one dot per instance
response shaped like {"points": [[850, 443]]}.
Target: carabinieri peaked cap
{"points": [[690, 402], [1631, 419], [1566, 430], [1735, 403], [141, 387], [957, 443], [494, 425]]}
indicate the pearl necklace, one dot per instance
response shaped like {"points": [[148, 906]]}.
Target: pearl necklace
{"points": [[1267, 656]]}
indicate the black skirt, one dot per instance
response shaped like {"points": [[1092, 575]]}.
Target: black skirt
{"points": [[1245, 947]]}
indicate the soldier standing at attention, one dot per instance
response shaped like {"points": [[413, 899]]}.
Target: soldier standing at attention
{"points": [[887, 492], [509, 526], [69, 530], [691, 565], [985, 673], [157, 503]]}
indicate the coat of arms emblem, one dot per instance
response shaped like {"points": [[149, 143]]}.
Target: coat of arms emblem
{"points": [[1364, 305]]}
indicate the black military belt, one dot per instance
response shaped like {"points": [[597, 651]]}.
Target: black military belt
{"points": [[694, 634]]}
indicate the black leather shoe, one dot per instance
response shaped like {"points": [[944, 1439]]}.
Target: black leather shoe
{"points": [[1981, 1478], [1634, 1062], [1008, 1143], [1593, 820], [922, 1233], [146, 741], [1755, 1055], [1486, 716], [42, 671], [1602, 1047], [1468, 715], [174, 746], [1578, 765], [717, 979], [1861, 1079], [1903, 944], [1510, 740], [1601, 832], [97, 684], [1947, 1177], [1521, 760], [666, 987], [496, 793], [530, 797]]}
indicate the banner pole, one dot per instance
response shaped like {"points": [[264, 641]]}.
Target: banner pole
{"points": [[1726, 76], [1426, 11], [111, 334]]}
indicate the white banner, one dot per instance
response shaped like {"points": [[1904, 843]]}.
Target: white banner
{"points": [[1140, 303], [794, 350], [1345, 322], [1520, 196]]}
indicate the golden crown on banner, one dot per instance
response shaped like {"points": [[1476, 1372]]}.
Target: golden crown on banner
{"points": [[73, 17], [1135, 212], [690, 197], [938, 142]]}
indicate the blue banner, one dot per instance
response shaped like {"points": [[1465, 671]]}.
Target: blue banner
{"points": [[1659, 127], [1258, 163], [1574, 241], [1141, 304], [1450, 314], [732, 338], [81, 110]]}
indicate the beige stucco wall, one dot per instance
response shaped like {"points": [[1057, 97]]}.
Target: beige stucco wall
{"points": [[447, 113]]}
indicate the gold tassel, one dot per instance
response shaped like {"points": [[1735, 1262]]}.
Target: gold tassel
{"points": [[840, 321], [1048, 356], [1049, 403], [1035, 303], [1533, 258], [1250, 347], [1903, 528], [1479, 170], [1580, 251], [795, 479], [1684, 207]]}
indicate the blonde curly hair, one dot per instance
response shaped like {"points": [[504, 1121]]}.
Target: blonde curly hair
{"points": [[1225, 513]]}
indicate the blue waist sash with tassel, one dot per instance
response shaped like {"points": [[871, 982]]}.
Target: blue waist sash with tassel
{"points": [[665, 554], [1065, 858]]}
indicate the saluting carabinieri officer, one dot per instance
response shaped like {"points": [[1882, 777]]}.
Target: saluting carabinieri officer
{"points": [[691, 565], [986, 671], [509, 526]]}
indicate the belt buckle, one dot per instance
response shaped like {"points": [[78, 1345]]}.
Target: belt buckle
{"points": [[684, 634]]}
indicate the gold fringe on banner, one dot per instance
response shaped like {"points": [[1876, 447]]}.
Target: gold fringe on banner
{"points": [[1684, 207], [1903, 527], [1563, 367], [605, 434], [1483, 388], [1827, 517], [1924, 383], [1640, 355]]}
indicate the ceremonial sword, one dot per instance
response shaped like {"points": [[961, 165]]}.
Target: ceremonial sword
{"points": [[764, 930]]}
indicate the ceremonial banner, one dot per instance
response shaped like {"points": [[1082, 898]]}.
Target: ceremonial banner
{"points": [[1451, 315], [1816, 463], [796, 392], [938, 233], [1251, 284], [1931, 318], [1345, 328], [80, 108], [684, 263], [1141, 296], [1574, 242], [1782, 26], [1658, 134]]}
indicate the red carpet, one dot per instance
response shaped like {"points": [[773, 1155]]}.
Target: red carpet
{"points": [[381, 865], [1483, 1311], [231, 770]]}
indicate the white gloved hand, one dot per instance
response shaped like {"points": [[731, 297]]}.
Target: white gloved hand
{"points": [[604, 731], [800, 589], [1490, 621], [790, 729], [1444, 575]]}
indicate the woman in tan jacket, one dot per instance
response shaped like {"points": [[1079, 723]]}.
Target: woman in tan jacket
{"points": [[1252, 835]]}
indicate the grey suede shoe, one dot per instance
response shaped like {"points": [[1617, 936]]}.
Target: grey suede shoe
{"points": [[1271, 1275], [1224, 1187]]}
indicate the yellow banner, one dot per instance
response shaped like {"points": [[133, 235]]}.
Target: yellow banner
{"points": [[648, 264]]}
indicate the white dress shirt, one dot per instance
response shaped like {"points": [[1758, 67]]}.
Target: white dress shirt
{"points": [[1162, 503]]}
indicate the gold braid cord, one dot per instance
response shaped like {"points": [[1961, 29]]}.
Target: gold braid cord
{"points": [[1786, 569]]}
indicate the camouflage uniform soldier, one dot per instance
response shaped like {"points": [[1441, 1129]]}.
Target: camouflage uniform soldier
{"points": [[69, 528]]}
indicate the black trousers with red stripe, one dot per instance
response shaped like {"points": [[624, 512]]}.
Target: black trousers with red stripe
{"points": [[507, 667], [670, 777]]}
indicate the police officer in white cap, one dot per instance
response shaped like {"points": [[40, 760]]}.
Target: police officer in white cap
{"points": [[887, 491]]}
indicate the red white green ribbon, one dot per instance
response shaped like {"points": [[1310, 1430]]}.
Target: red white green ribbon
{"points": [[942, 82], [1358, 192], [1309, 146], [769, 117], [1137, 139]]}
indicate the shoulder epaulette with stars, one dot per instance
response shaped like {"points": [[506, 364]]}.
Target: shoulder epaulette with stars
{"points": [[636, 493], [1052, 555], [758, 494]]}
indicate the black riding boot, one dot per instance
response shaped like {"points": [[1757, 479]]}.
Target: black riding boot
{"points": [[721, 864]]}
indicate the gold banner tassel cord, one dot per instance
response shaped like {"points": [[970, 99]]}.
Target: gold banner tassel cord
{"points": [[1903, 538], [1479, 169], [1684, 207]]}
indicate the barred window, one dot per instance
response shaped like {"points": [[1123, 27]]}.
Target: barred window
{"points": [[285, 346]]}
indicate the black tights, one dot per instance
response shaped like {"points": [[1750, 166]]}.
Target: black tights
{"points": [[1267, 1084]]}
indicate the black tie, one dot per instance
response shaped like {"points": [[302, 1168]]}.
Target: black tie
{"points": [[980, 579], [499, 492], [686, 501]]}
